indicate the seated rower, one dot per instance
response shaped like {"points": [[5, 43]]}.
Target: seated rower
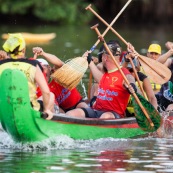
{"points": [[15, 47], [65, 98], [143, 79], [113, 92]]}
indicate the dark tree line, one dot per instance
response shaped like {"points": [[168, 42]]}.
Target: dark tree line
{"points": [[73, 11]]}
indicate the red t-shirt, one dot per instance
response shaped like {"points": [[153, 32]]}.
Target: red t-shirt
{"points": [[66, 98], [112, 96]]}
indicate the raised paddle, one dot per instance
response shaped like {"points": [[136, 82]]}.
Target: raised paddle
{"points": [[156, 71], [98, 41], [137, 77], [149, 126], [111, 24], [71, 73]]}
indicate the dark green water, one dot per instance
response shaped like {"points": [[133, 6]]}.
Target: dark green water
{"points": [[63, 154]]}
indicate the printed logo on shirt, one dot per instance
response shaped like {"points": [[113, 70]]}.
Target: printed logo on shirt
{"points": [[114, 79], [106, 94]]}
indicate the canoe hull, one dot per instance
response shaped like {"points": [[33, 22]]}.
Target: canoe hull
{"points": [[24, 124]]}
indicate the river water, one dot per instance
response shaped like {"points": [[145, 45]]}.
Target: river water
{"points": [[63, 154]]}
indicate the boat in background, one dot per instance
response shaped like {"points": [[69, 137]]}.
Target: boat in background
{"points": [[35, 38]]}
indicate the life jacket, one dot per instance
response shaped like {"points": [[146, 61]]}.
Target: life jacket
{"points": [[156, 87], [28, 67]]}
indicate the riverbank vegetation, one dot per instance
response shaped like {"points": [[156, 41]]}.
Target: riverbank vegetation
{"points": [[73, 11]]}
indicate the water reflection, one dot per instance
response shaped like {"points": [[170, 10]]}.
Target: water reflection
{"points": [[103, 155]]}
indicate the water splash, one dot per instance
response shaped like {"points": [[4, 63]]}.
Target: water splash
{"points": [[65, 143], [166, 128], [60, 142], [84, 90]]}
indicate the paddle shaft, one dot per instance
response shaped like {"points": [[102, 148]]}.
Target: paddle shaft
{"points": [[111, 24], [127, 82], [123, 40], [98, 41], [137, 78], [89, 85]]}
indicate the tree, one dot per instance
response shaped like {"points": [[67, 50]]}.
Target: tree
{"points": [[65, 12]]}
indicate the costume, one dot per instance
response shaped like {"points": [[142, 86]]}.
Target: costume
{"points": [[67, 99], [112, 96], [28, 67]]}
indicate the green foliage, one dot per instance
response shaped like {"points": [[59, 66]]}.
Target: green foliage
{"points": [[66, 12], [15, 6], [62, 11]]}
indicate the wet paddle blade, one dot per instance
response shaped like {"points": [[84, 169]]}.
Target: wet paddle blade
{"points": [[141, 118]]}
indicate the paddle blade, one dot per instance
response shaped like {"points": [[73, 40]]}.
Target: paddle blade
{"points": [[156, 71], [141, 118]]}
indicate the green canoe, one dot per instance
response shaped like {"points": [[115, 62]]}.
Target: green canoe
{"points": [[24, 124]]}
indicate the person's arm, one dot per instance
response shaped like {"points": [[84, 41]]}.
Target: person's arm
{"points": [[164, 58], [40, 80], [169, 45], [97, 74], [131, 88], [149, 92], [125, 60], [49, 57], [131, 53]]}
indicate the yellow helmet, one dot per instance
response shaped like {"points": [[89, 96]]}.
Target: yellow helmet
{"points": [[14, 41], [156, 48]]}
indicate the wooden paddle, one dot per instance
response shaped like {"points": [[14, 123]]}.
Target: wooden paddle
{"points": [[156, 71], [111, 24], [137, 77], [140, 117], [89, 85], [149, 126], [98, 41]]}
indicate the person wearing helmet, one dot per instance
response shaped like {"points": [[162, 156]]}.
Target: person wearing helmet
{"points": [[15, 47]]}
